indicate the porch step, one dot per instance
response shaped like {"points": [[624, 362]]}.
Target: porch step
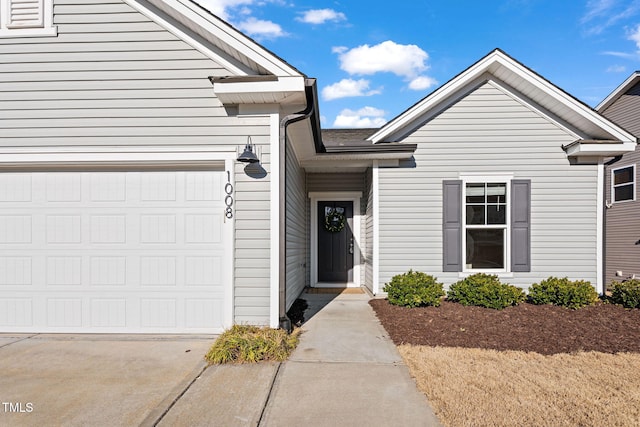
{"points": [[334, 291]]}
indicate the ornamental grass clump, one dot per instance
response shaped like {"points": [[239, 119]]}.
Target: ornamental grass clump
{"points": [[485, 290], [250, 344], [414, 289], [626, 293], [563, 292]]}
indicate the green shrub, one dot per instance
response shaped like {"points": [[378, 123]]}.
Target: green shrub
{"points": [[485, 290], [414, 289], [563, 292], [626, 293], [248, 344]]}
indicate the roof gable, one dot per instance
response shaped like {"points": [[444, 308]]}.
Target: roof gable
{"points": [[627, 85], [215, 38], [500, 67]]}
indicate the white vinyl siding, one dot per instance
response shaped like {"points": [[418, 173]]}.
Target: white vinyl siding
{"points": [[490, 132], [114, 78], [111, 77], [297, 233], [368, 231]]}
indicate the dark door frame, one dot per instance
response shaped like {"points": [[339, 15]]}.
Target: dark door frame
{"points": [[349, 196]]}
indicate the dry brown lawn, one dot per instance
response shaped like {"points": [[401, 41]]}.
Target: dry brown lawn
{"points": [[480, 387]]}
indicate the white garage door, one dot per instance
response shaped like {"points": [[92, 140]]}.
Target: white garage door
{"points": [[112, 251]]}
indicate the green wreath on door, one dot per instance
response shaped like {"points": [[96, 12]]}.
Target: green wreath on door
{"points": [[334, 219]]}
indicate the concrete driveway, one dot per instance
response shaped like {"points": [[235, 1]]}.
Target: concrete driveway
{"points": [[51, 379], [346, 371]]}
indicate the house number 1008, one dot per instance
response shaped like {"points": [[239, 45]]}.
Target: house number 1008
{"points": [[228, 200]]}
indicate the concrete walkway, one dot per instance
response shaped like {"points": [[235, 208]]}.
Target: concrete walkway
{"points": [[345, 372]]}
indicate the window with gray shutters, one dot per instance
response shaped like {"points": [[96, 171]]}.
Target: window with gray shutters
{"points": [[487, 225]]}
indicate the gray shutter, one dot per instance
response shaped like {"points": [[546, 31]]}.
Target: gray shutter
{"points": [[521, 225], [452, 225], [25, 14]]}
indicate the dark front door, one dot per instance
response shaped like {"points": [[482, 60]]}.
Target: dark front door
{"points": [[335, 241]]}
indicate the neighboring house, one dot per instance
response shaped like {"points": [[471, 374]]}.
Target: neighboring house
{"points": [[622, 217], [125, 208]]}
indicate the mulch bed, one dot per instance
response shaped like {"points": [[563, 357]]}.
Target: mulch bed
{"points": [[543, 329]]}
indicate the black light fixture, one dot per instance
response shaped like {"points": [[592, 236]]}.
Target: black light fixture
{"points": [[249, 153]]}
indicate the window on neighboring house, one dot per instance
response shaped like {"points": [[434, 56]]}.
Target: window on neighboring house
{"points": [[26, 18], [485, 225], [623, 183]]}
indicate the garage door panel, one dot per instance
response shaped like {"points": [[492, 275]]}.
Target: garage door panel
{"points": [[16, 312], [15, 187], [15, 271], [15, 229], [63, 271], [109, 313], [158, 270], [112, 252]]}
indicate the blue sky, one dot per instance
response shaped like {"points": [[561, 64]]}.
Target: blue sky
{"points": [[374, 59]]}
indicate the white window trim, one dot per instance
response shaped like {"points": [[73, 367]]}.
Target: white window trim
{"points": [[613, 186], [468, 179], [45, 29]]}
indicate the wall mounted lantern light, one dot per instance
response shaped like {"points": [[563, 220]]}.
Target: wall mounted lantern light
{"points": [[249, 153]]}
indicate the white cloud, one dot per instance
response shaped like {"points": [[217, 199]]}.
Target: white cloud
{"points": [[597, 8], [625, 55], [602, 14], [367, 117], [347, 88], [634, 36], [422, 83], [402, 60], [321, 16], [261, 29], [221, 8], [238, 13], [617, 69]]}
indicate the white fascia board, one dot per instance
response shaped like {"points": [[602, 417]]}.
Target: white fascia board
{"points": [[387, 159], [497, 58], [600, 150], [578, 107], [619, 91], [282, 85], [112, 155]]}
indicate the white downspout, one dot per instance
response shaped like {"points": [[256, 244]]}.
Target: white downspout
{"points": [[600, 229]]}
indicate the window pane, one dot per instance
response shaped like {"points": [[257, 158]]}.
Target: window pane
{"points": [[475, 193], [496, 214], [496, 192], [485, 249], [624, 192], [623, 175], [475, 214]]}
